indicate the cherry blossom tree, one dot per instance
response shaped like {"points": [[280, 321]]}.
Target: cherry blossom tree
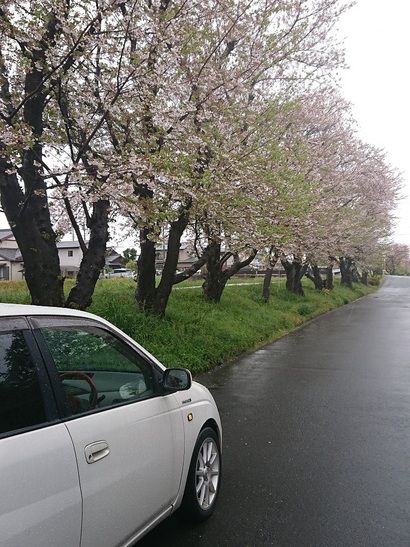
{"points": [[41, 45], [242, 67], [174, 114], [353, 191], [397, 259]]}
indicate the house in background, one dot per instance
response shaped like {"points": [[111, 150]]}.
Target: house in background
{"points": [[11, 261], [70, 255], [113, 260], [185, 257]]}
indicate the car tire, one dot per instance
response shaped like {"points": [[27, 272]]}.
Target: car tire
{"points": [[204, 477]]}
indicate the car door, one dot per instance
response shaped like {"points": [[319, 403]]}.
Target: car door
{"points": [[40, 499], [128, 438]]}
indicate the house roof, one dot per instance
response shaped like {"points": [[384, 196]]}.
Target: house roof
{"points": [[68, 245], [6, 233], [11, 255], [114, 259]]}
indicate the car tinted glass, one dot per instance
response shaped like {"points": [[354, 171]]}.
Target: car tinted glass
{"points": [[21, 402], [97, 369]]}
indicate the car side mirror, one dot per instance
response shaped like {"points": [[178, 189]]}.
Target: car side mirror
{"points": [[176, 379]]}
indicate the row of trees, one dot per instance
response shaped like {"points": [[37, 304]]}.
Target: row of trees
{"points": [[213, 121], [397, 259]]}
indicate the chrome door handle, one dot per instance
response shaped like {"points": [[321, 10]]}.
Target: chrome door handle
{"points": [[96, 451]]}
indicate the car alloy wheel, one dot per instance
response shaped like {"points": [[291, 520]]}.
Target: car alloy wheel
{"points": [[204, 476]]}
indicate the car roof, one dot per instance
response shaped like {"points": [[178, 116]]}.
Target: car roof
{"points": [[16, 310]]}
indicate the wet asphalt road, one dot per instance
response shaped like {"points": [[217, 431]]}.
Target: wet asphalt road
{"points": [[316, 435]]}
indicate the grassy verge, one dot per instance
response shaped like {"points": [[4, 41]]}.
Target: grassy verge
{"points": [[198, 335]]}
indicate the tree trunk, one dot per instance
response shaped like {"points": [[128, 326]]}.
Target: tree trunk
{"points": [[93, 261], [313, 273], [216, 278], [149, 297], [266, 284], [329, 277], [364, 277], [346, 273], [41, 264], [294, 274], [217, 274], [164, 289], [273, 259], [145, 291], [31, 227]]}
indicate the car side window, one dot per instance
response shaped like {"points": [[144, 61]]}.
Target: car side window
{"points": [[97, 370], [21, 403]]}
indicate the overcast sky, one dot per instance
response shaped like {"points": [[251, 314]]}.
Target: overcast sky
{"points": [[377, 52]]}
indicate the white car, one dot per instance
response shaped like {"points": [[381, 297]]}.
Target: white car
{"points": [[120, 272], [99, 442]]}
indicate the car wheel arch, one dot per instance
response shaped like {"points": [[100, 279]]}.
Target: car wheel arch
{"points": [[213, 425]]}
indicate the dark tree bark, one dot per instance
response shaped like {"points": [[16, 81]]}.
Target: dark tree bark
{"points": [[215, 277], [273, 259], [266, 284], [295, 271], [313, 273], [346, 271], [355, 275], [329, 277], [36, 240], [164, 289], [364, 277], [217, 274], [148, 296], [93, 261], [145, 291]]}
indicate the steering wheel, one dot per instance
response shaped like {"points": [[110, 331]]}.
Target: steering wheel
{"points": [[93, 399]]}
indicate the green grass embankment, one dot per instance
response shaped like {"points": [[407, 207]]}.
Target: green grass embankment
{"points": [[199, 335]]}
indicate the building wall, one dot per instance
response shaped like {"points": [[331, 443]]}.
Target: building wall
{"points": [[15, 271], [11, 271], [67, 260]]}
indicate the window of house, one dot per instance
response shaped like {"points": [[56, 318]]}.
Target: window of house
{"points": [[70, 253], [4, 272], [21, 403]]}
